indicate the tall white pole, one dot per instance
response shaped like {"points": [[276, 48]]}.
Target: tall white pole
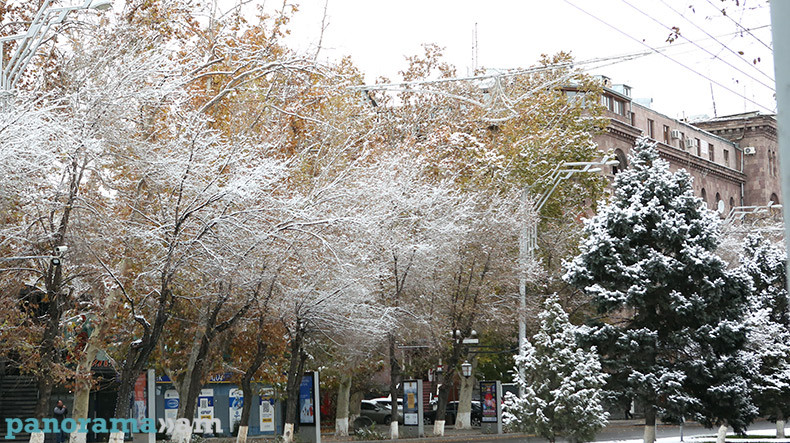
{"points": [[524, 252], [780, 14]]}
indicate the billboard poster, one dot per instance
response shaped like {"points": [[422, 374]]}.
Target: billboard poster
{"points": [[307, 400], [410, 405], [488, 396], [205, 410], [235, 403], [139, 406], [266, 410], [171, 404]]}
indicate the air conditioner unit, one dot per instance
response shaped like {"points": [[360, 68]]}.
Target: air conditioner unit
{"points": [[749, 150], [675, 134], [690, 143]]}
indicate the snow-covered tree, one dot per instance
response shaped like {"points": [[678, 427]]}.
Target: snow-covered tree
{"points": [[562, 383], [670, 311], [769, 333]]}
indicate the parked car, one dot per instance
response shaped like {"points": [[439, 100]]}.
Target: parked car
{"points": [[376, 412], [387, 401], [451, 412]]}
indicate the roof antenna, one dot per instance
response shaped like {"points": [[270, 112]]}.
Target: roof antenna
{"points": [[713, 99], [474, 51]]}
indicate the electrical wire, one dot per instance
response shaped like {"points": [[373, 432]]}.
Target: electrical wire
{"points": [[740, 56], [669, 58], [772, 88], [724, 13]]}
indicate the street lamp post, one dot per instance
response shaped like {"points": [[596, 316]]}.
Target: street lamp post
{"points": [[29, 41], [528, 235]]}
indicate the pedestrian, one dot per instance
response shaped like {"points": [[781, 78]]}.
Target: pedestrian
{"points": [[61, 411]]}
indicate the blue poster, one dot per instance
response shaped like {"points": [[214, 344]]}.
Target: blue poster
{"points": [[306, 400]]}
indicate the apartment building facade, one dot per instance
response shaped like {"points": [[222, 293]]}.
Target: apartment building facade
{"points": [[733, 159]]}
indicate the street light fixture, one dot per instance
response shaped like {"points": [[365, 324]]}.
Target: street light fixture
{"points": [[29, 42], [466, 369], [528, 235]]}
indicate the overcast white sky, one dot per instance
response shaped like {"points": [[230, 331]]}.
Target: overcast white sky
{"points": [[378, 34]]}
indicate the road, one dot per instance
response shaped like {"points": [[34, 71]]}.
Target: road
{"points": [[619, 431]]}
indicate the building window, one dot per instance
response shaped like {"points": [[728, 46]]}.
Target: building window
{"points": [[682, 141], [738, 160], [775, 199], [633, 119], [651, 130], [704, 196], [697, 144], [711, 152], [606, 101], [732, 203], [726, 158], [666, 134]]}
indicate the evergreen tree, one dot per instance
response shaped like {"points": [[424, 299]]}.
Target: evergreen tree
{"points": [[562, 383], [769, 320], [670, 311]]}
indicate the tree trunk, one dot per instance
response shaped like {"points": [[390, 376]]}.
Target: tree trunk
{"points": [[780, 429], [355, 406], [341, 416], [722, 434], [441, 406], [295, 371], [246, 384], [82, 391], [650, 424], [394, 380], [464, 418], [190, 386]]}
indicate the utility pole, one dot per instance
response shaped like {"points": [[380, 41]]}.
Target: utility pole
{"points": [[780, 14]]}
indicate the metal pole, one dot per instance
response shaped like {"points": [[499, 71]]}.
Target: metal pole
{"points": [[528, 238], [524, 252], [780, 14]]}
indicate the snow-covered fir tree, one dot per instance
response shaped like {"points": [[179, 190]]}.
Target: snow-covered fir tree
{"points": [[769, 334], [670, 323], [563, 383]]}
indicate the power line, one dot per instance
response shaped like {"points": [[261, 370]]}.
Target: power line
{"points": [[740, 56], [668, 57], [772, 88], [724, 13]]}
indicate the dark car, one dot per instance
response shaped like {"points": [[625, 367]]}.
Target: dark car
{"points": [[451, 412], [375, 412]]}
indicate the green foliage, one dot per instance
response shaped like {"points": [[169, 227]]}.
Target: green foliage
{"points": [[670, 311], [562, 383]]}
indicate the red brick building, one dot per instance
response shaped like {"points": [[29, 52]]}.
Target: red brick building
{"points": [[733, 159]]}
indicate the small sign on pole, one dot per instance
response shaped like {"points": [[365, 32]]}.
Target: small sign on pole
{"points": [[309, 409], [412, 409], [491, 402]]}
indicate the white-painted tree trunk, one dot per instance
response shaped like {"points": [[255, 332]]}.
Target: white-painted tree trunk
{"points": [[241, 437], [463, 420], [341, 416], [116, 437], [394, 429], [780, 429], [37, 437], [722, 434], [288, 433], [438, 428], [341, 427], [650, 434], [78, 437], [182, 432]]}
